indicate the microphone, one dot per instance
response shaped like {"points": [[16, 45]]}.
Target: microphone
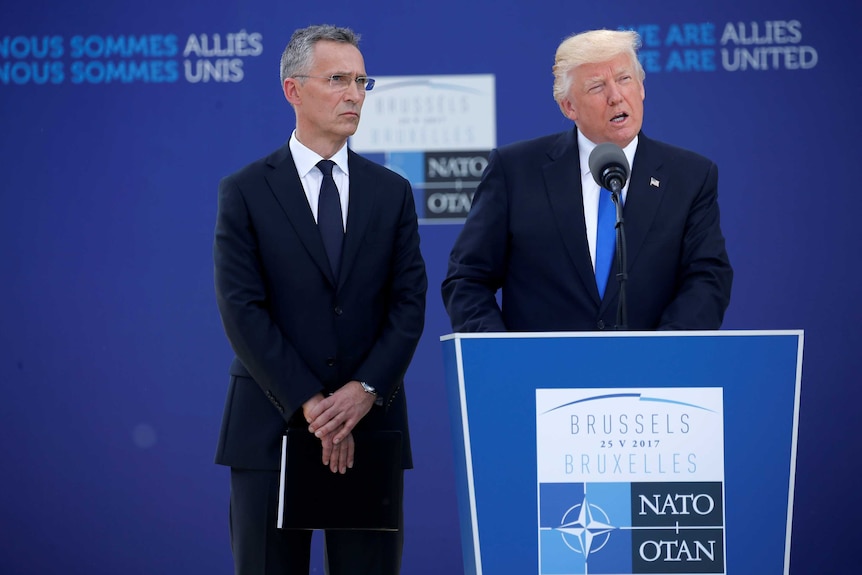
{"points": [[610, 169], [609, 166]]}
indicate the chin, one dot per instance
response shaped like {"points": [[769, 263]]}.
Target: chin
{"points": [[351, 124], [623, 140]]}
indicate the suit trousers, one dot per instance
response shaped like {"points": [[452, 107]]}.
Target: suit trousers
{"points": [[260, 548]]}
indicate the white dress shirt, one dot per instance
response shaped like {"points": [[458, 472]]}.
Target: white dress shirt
{"points": [[311, 176]]}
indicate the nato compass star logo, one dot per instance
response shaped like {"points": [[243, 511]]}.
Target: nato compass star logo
{"points": [[585, 528], [576, 534]]}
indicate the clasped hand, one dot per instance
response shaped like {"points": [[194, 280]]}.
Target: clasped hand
{"points": [[332, 419]]}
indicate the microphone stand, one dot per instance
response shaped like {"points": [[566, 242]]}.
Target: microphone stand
{"points": [[622, 276]]}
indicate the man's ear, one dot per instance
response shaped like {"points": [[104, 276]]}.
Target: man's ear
{"points": [[568, 109], [291, 91]]}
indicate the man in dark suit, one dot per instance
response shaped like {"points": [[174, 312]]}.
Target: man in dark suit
{"points": [[321, 288], [534, 227]]}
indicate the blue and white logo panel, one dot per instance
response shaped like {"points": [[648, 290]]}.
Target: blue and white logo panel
{"points": [[630, 481]]}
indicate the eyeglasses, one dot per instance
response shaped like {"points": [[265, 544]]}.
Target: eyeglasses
{"points": [[341, 82]]}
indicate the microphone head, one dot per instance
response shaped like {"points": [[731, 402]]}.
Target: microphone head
{"points": [[609, 166]]}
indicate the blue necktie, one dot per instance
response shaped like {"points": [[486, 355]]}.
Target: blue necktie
{"points": [[329, 220], [606, 239]]}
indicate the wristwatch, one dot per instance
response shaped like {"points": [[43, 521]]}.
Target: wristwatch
{"points": [[368, 389]]}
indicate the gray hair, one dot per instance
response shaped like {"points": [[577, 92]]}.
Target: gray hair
{"points": [[592, 47], [298, 55]]}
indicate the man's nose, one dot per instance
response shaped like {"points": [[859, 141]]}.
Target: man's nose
{"points": [[354, 92], [615, 96]]}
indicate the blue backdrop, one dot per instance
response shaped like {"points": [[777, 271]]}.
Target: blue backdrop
{"points": [[118, 119]]}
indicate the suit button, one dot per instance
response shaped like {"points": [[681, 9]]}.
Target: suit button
{"points": [[338, 310], [330, 361], [601, 324]]}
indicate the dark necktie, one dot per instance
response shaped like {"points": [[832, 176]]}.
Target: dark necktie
{"points": [[329, 220], [606, 239]]}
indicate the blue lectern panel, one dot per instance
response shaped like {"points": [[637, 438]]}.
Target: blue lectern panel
{"points": [[664, 453]]}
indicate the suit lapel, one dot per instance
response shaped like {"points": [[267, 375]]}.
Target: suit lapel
{"points": [[363, 194], [286, 186], [563, 185], [645, 194]]}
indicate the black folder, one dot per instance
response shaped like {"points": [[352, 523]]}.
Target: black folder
{"points": [[368, 496]]}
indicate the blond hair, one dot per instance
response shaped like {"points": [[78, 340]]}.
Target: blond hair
{"points": [[592, 47]]}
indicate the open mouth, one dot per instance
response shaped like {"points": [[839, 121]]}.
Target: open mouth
{"points": [[619, 118]]}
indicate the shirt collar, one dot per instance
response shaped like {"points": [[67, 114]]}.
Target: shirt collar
{"points": [[306, 159], [586, 147]]}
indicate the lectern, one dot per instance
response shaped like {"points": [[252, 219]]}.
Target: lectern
{"points": [[626, 452]]}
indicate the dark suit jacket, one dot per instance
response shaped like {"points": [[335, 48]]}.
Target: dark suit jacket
{"points": [[525, 234], [295, 329]]}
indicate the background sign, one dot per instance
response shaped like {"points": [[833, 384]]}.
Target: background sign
{"points": [[437, 132]]}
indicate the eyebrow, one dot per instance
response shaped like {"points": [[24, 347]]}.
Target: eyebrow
{"points": [[614, 73]]}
